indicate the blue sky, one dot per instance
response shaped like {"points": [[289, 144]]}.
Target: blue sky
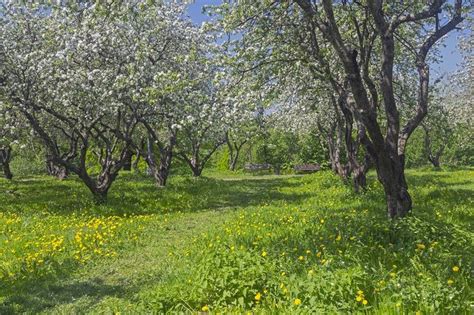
{"points": [[450, 53]]}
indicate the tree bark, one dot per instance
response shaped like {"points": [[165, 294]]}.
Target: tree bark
{"points": [[160, 172], [136, 161], [5, 158], [233, 162], [435, 161], [196, 171], [58, 171], [127, 166], [6, 170]]}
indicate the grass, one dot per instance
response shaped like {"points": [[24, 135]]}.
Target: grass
{"points": [[235, 243]]}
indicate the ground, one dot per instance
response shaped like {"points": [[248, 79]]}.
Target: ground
{"points": [[234, 243]]}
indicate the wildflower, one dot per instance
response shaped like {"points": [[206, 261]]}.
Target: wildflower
{"points": [[420, 246], [258, 296], [360, 292], [455, 268], [359, 298], [365, 302], [264, 253], [297, 301], [393, 274], [322, 221], [450, 281], [205, 308], [301, 258], [338, 238]]}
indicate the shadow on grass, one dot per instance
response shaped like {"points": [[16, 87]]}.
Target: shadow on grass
{"points": [[38, 297], [132, 195]]}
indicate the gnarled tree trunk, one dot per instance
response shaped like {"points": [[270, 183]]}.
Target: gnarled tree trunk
{"points": [[160, 172], [127, 166], [5, 158], [58, 171]]}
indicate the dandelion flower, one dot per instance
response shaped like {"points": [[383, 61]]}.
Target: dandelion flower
{"points": [[297, 301], [258, 296], [455, 268], [450, 281], [420, 246], [205, 308], [264, 253], [365, 302]]}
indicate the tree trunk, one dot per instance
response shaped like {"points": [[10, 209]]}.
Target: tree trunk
{"points": [[277, 169], [5, 158], [161, 175], [101, 186], [6, 170], [234, 159], [335, 155], [392, 177], [435, 160], [127, 166], [196, 170], [359, 180], [58, 171], [160, 172], [136, 161], [100, 197]]}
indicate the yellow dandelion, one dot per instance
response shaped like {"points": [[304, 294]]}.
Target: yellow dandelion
{"points": [[420, 246], [264, 254], [205, 308], [365, 302], [258, 296], [297, 301], [338, 238], [301, 258], [455, 268], [450, 281], [359, 298]]}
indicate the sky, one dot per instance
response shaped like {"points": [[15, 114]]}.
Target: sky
{"points": [[450, 53]]}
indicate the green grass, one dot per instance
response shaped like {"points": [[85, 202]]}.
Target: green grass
{"points": [[235, 243]]}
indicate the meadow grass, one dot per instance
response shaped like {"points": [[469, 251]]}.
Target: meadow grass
{"points": [[236, 243]]}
